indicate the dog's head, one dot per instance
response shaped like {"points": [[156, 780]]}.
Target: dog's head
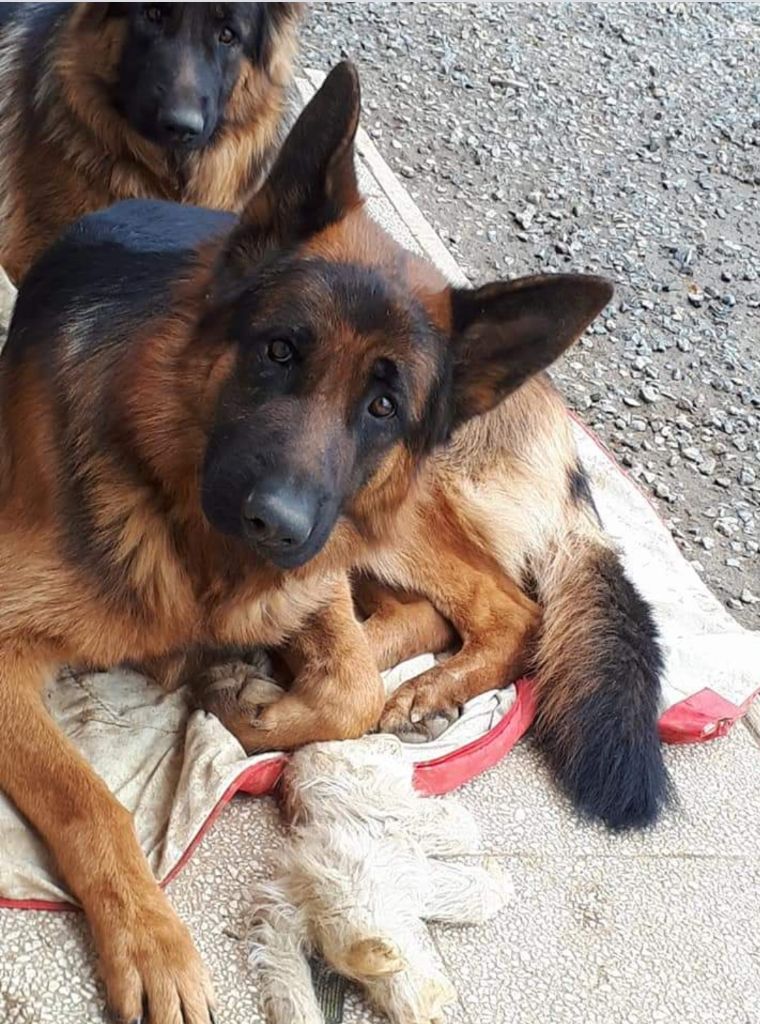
{"points": [[348, 359], [177, 69]]}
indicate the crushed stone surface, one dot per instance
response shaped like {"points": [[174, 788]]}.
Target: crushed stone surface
{"points": [[620, 139]]}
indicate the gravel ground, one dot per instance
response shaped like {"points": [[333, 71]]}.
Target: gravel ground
{"points": [[622, 139]]}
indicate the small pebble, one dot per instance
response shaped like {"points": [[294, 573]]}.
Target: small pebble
{"points": [[525, 217]]}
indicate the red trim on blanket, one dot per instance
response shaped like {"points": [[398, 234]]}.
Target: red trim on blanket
{"points": [[35, 905], [258, 780], [452, 770], [703, 716], [433, 777]]}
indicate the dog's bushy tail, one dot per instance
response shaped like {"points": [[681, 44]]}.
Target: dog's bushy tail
{"points": [[598, 673]]}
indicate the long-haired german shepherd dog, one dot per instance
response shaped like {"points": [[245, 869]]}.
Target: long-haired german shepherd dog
{"points": [[101, 102], [209, 420]]}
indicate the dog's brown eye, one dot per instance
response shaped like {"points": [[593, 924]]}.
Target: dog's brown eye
{"points": [[280, 351], [153, 13], [382, 407], [226, 36]]}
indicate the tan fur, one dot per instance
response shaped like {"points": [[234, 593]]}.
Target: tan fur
{"points": [[65, 152], [485, 517]]}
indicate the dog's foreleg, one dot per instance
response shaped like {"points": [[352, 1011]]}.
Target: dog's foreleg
{"points": [[494, 618], [337, 692], [400, 626], [147, 958]]}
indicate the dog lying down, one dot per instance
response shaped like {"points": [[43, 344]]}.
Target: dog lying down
{"points": [[366, 863]]}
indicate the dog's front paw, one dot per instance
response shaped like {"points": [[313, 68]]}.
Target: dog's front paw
{"points": [[150, 967], [420, 710], [259, 713], [241, 698], [236, 687]]}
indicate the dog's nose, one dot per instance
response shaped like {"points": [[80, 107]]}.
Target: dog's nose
{"points": [[183, 124], [280, 517]]}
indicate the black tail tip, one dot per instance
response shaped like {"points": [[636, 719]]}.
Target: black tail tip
{"points": [[623, 784]]}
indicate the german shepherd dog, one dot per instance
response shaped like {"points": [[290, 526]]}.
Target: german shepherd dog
{"points": [[200, 461], [101, 102]]}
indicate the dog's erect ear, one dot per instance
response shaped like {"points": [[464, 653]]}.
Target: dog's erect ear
{"points": [[505, 332], [313, 180]]}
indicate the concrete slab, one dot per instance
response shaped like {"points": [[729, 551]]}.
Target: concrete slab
{"points": [[615, 939], [717, 814]]}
